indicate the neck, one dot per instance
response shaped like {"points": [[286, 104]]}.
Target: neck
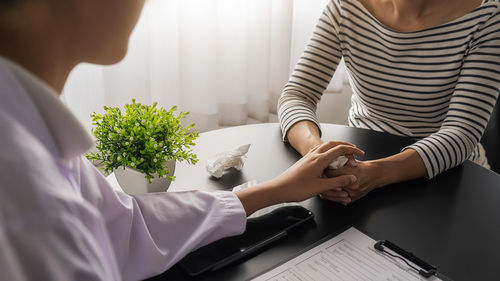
{"points": [[415, 15], [35, 44], [50, 69], [412, 8]]}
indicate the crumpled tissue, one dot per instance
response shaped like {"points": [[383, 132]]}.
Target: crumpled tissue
{"points": [[266, 210], [338, 163], [226, 160]]}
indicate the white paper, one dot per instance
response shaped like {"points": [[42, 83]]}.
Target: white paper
{"points": [[225, 160], [347, 256]]}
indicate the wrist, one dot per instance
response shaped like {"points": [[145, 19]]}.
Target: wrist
{"points": [[406, 165], [258, 197], [383, 172], [303, 136], [308, 143]]}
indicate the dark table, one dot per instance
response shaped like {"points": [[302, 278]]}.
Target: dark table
{"points": [[451, 221]]}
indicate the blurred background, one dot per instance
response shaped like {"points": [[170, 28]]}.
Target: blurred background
{"points": [[224, 61]]}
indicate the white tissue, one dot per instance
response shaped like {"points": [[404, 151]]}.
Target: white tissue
{"points": [[226, 160], [338, 163], [266, 210]]}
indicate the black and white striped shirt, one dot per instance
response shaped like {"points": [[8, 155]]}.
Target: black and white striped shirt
{"points": [[438, 85]]}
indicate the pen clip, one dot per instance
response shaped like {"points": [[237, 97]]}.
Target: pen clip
{"points": [[426, 270]]}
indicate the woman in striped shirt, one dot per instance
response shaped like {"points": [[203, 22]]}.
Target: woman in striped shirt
{"points": [[426, 69]]}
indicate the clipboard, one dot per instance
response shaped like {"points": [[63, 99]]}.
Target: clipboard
{"points": [[322, 261]]}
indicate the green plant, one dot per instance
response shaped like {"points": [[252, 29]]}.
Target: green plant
{"points": [[143, 138]]}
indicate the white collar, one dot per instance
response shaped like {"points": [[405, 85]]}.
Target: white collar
{"points": [[69, 135]]}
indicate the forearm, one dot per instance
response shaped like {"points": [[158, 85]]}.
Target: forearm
{"points": [[406, 165], [258, 197], [303, 136]]}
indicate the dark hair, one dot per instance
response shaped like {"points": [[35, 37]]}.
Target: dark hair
{"points": [[7, 2]]}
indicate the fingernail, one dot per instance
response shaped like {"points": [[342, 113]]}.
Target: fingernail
{"points": [[354, 179]]}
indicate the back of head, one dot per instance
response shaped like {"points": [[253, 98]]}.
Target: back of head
{"points": [[4, 3], [97, 31]]}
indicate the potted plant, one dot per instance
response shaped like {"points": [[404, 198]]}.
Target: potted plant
{"points": [[141, 145]]}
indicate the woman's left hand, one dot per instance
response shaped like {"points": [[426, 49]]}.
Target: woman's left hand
{"points": [[368, 176]]}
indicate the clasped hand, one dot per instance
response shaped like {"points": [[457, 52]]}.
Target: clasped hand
{"points": [[365, 172], [302, 180]]}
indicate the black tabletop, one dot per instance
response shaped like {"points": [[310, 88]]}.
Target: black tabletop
{"points": [[451, 221]]}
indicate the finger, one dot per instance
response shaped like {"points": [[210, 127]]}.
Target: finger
{"points": [[330, 173], [333, 193], [346, 170], [351, 161], [326, 184], [334, 188], [314, 148], [331, 144], [341, 200], [353, 188], [340, 181], [356, 198], [341, 150], [354, 194]]}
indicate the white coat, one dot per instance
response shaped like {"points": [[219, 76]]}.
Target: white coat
{"points": [[61, 220]]}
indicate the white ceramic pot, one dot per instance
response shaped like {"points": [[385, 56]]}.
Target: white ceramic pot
{"points": [[134, 182]]}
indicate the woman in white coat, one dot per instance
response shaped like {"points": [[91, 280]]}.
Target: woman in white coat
{"points": [[59, 218]]}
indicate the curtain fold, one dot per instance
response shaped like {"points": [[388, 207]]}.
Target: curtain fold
{"points": [[224, 61]]}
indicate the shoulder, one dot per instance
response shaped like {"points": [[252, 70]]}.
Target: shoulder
{"points": [[350, 10], [489, 9], [488, 25], [351, 6], [488, 3], [19, 146], [30, 181], [335, 11]]}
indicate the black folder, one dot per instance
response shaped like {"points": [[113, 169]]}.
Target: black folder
{"points": [[260, 233]]}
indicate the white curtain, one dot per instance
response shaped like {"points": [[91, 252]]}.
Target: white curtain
{"points": [[224, 61]]}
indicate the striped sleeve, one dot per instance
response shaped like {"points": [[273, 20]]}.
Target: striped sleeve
{"points": [[313, 72], [471, 104]]}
